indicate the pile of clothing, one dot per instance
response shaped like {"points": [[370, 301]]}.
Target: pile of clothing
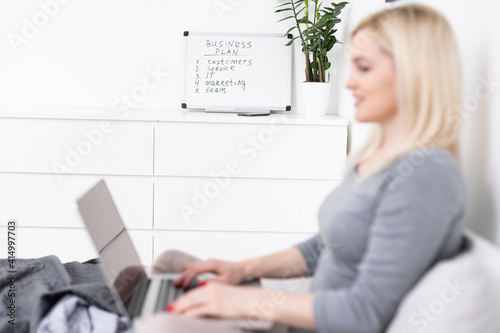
{"points": [[53, 297]]}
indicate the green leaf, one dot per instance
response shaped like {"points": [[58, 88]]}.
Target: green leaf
{"points": [[304, 20], [286, 18], [290, 30], [331, 43], [314, 46], [321, 23], [284, 4], [300, 10], [283, 10], [341, 5]]}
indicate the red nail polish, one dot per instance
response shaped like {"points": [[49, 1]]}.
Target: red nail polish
{"points": [[170, 308], [202, 283]]}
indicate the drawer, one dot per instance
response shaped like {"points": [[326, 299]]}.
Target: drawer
{"points": [[225, 245], [271, 150], [38, 200], [76, 146], [184, 203], [69, 244]]}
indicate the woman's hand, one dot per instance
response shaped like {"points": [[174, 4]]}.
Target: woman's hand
{"points": [[227, 272], [215, 299], [285, 264], [225, 301]]}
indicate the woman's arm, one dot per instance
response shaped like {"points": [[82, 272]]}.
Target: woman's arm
{"points": [[294, 262], [296, 311], [226, 301], [281, 265]]}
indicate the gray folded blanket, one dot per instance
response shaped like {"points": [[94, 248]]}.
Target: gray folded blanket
{"points": [[40, 283]]}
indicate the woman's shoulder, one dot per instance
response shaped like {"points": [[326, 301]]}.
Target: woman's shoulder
{"points": [[427, 166], [425, 160]]}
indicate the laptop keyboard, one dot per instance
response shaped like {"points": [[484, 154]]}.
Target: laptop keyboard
{"points": [[167, 294], [138, 298]]}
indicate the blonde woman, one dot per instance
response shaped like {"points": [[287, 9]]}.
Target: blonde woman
{"points": [[399, 209]]}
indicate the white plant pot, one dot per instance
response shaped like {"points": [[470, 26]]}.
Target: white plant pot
{"points": [[316, 96]]}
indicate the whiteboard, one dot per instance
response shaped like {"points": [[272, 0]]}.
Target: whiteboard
{"points": [[236, 71]]}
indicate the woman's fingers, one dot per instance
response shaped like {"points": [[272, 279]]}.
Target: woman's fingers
{"points": [[204, 282], [185, 279], [215, 299], [227, 272], [190, 301], [191, 271]]}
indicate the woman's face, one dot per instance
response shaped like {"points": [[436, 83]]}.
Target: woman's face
{"points": [[372, 81]]}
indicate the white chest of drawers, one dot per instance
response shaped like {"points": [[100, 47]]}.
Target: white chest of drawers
{"points": [[215, 185]]}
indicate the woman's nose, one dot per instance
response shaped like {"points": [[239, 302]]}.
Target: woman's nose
{"points": [[351, 81]]}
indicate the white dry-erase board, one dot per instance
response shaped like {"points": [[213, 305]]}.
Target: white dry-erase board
{"points": [[236, 71]]}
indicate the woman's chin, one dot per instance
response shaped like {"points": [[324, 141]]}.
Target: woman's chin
{"points": [[361, 118]]}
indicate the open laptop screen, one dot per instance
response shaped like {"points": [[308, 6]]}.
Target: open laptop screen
{"points": [[118, 255]]}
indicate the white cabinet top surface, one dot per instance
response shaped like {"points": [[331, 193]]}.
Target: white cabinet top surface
{"points": [[163, 115]]}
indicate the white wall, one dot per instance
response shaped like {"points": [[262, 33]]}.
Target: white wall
{"points": [[478, 40], [494, 148], [91, 52]]}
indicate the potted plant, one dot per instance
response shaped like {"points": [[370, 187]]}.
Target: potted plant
{"points": [[315, 27]]}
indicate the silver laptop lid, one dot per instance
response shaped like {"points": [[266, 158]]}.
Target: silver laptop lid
{"points": [[116, 250]]}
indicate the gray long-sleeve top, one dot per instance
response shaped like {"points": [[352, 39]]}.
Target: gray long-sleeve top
{"points": [[379, 235]]}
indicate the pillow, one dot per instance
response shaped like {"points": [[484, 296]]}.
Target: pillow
{"points": [[459, 295]]}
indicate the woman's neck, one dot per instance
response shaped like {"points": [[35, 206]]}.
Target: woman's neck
{"points": [[391, 130], [392, 133]]}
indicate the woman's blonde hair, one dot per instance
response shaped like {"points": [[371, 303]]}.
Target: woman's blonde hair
{"points": [[428, 76]]}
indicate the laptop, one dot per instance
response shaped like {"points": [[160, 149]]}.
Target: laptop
{"points": [[136, 294]]}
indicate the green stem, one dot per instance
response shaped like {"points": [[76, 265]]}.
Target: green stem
{"points": [[306, 13], [315, 11], [321, 73], [304, 44], [317, 72], [320, 60]]}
